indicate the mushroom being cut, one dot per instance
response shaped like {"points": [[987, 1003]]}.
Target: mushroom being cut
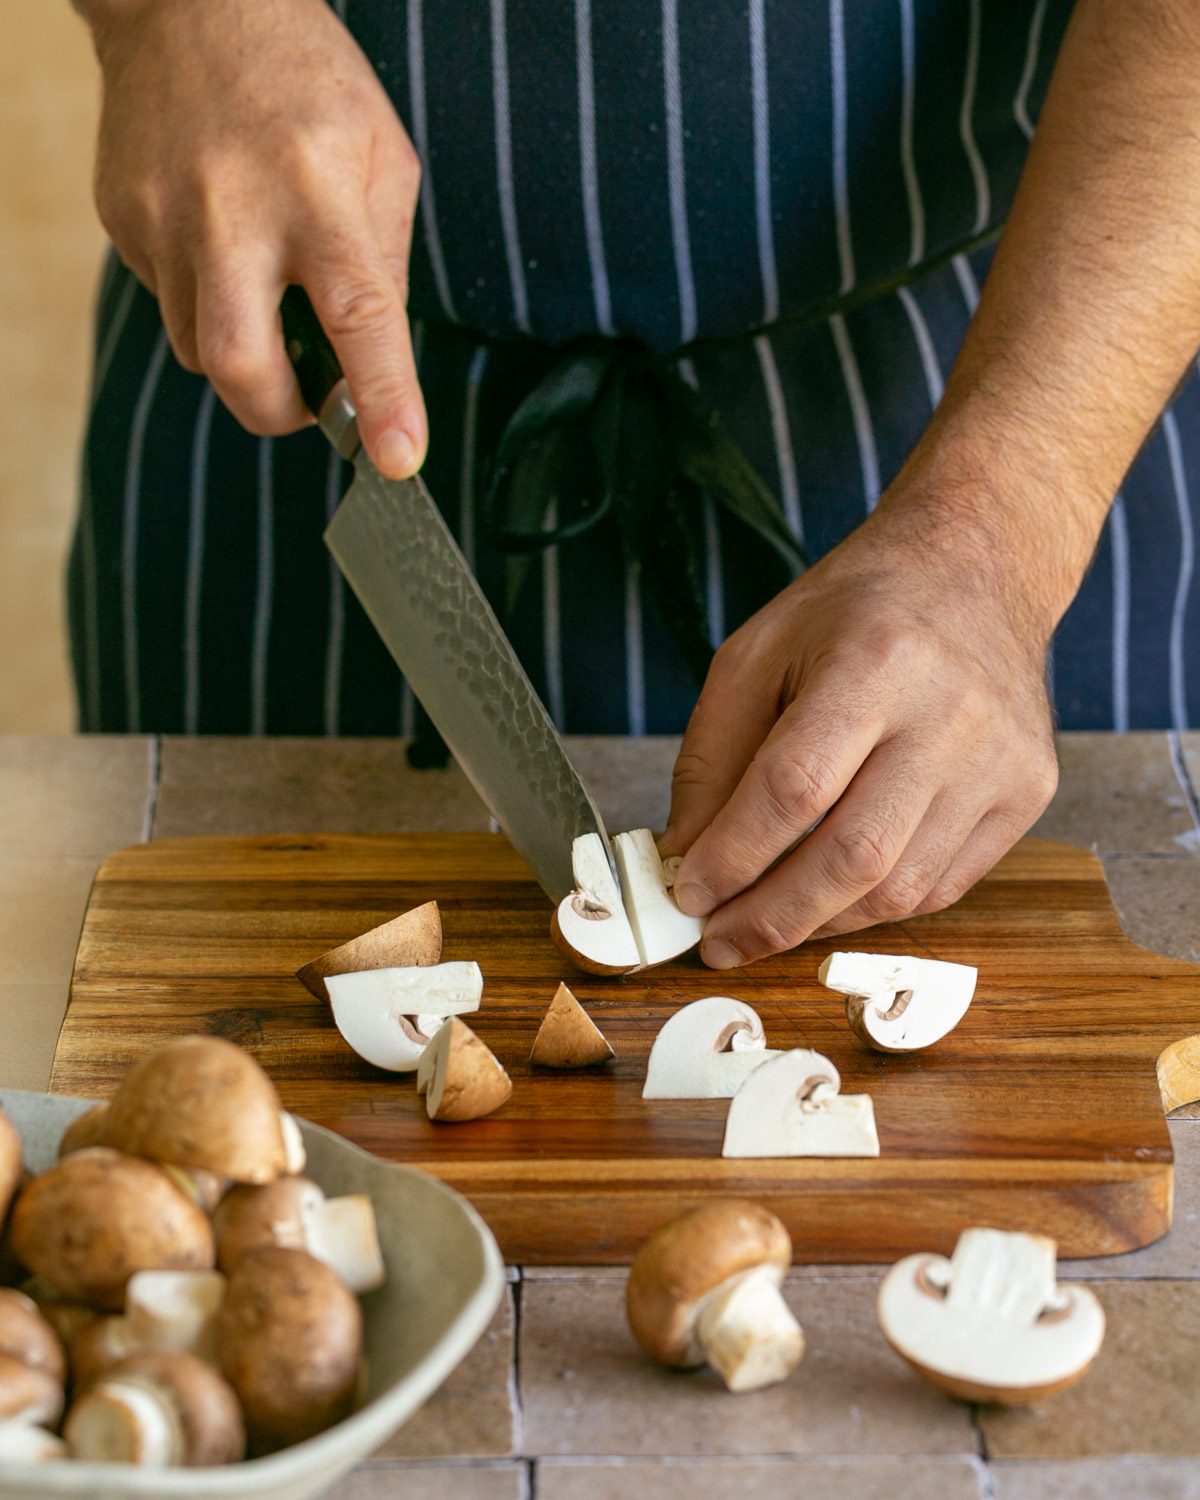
{"points": [[705, 1289], [990, 1324], [791, 1107], [568, 1037], [295, 1213], [898, 1004], [706, 1050], [413, 938], [662, 931], [160, 1411], [389, 1016], [165, 1312], [201, 1101], [460, 1076], [591, 926]]}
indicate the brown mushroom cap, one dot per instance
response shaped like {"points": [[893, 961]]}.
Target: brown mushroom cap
{"points": [[92, 1220], [87, 1129], [568, 1037], [27, 1336], [252, 1218], [290, 1344], [411, 940], [10, 1163], [28, 1394], [201, 1101], [209, 1416], [690, 1257]]}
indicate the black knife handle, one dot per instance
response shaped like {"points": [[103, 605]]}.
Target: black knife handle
{"points": [[317, 370]]}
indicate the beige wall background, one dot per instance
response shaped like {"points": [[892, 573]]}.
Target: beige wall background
{"points": [[50, 251]]}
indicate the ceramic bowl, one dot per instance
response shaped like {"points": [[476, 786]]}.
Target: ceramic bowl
{"points": [[445, 1279]]}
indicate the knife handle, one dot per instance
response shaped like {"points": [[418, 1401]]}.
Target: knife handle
{"points": [[322, 384]]}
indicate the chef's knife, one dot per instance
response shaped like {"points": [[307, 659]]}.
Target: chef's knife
{"points": [[399, 557]]}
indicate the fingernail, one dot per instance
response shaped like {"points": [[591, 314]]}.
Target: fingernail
{"points": [[693, 899], [718, 954], [398, 454]]}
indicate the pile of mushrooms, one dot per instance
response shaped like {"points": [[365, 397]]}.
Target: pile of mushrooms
{"points": [[188, 1297]]}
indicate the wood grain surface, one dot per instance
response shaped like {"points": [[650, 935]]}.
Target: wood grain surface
{"points": [[1041, 1112]]}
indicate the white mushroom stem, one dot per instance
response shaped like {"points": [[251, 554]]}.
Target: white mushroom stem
{"points": [[341, 1232], [174, 1310], [295, 1156], [22, 1444], [747, 1332], [389, 1016], [118, 1421]]}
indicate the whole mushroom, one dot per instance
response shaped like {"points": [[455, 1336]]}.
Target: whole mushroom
{"points": [[85, 1130]]}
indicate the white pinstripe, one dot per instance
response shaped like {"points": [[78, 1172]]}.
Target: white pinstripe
{"points": [[912, 187], [635, 677], [420, 137], [1033, 47], [966, 281], [864, 433], [1118, 530], [966, 127], [588, 173], [781, 431], [676, 175], [129, 533], [197, 507], [841, 185], [760, 99], [466, 473], [108, 349], [929, 359], [1175, 651], [335, 639], [504, 167], [714, 582], [264, 588]]}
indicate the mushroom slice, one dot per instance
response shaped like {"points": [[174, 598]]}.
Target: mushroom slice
{"points": [[413, 938], [389, 1016], [791, 1107], [661, 929], [568, 1037], [22, 1444], [989, 1324], [590, 926], [705, 1288], [898, 1004], [460, 1076], [294, 1213], [706, 1050]]}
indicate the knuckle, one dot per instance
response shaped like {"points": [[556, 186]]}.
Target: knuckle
{"points": [[692, 769], [894, 649], [797, 791], [357, 304], [900, 894], [864, 853], [767, 934], [948, 890], [229, 361], [1042, 782]]}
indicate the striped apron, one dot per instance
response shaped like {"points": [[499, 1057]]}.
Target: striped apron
{"points": [[697, 177]]}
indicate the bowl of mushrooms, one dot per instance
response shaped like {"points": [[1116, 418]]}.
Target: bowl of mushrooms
{"points": [[201, 1294]]}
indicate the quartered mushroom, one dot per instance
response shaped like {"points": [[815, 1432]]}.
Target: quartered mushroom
{"points": [[791, 1107], [568, 1037], [295, 1213], [706, 1050], [705, 1289], [460, 1077], [165, 1312], [412, 938], [990, 1324], [590, 926], [899, 1004], [389, 1016]]}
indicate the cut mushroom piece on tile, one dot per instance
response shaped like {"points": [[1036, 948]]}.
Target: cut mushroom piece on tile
{"points": [[706, 1050], [389, 1016], [899, 1004], [791, 1107], [590, 926], [705, 1289], [411, 939], [990, 1324], [295, 1213], [460, 1076], [662, 931], [568, 1037], [1179, 1073]]}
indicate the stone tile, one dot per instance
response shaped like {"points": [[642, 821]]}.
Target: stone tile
{"points": [[1097, 1479], [1142, 1395], [629, 779], [586, 1389], [376, 1481], [1158, 902], [33, 1015], [250, 786], [72, 797], [41, 914], [1118, 794], [760, 1479], [474, 1414]]}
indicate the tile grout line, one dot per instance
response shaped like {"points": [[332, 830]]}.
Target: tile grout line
{"points": [[1182, 775], [155, 767], [514, 1376]]}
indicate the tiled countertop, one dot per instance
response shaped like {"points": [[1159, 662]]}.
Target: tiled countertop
{"points": [[555, 1401]]}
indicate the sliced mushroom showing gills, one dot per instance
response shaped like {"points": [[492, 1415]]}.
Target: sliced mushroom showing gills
{"points": [[990, 1324], [899, 1004], [460, 1077], [389, 1016], [791, 1106], [706, 1050]]}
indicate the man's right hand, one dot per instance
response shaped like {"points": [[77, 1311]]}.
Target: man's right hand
{"points": [[246, 147]]}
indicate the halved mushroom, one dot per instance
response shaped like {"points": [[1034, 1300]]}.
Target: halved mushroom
{"points": [[568, 1037], [706, 1050], [989, 1324], [662, 931], [159, 1411], [165, 1312], [389, 1016], [85, 1130], [22, 1444], [11, 1164], [899, 1004], [295, 1213], [460, 1076], [590, 926], [791, 1107], [201, 1101], [705, 1289], [412, 938]]}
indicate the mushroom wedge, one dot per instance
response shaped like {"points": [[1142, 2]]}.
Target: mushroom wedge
{"points": [[899, 1004], [414, 937], [706, 1050], [590, 926], [791, 1107], [460, 1077], [389, 1016], [990, 1324], [568, 1037]]}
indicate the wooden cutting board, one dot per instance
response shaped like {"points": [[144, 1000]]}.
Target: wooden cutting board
{"points": [[1041, 1112]]}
